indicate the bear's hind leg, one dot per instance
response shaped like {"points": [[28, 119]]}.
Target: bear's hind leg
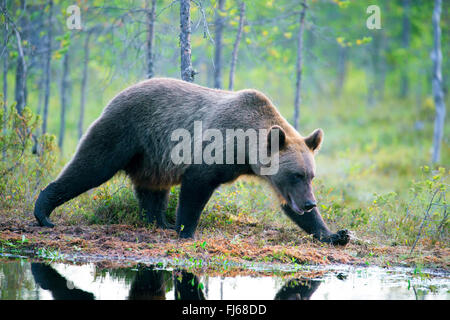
{"points": [[154, 204], [73, 182], [96, 161]]}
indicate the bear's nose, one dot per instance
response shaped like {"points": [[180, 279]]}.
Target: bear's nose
{"points": [[309, 205]]}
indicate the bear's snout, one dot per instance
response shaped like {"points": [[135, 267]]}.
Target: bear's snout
{"points": [[309, 205]]}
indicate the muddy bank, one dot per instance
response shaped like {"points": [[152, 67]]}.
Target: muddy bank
{"points": [[244, 244]]}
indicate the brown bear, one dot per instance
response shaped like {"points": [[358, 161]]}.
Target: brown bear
{"points": [[135, 133]]}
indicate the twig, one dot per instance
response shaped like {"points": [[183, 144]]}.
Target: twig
{"points": [[236, 46], [8, 34], [444, 220], [424, 220], [206, 33], [166, 7]]}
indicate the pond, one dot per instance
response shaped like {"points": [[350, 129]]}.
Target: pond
{"points": [[27, 280]]}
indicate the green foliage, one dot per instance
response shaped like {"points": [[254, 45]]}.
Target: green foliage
{"points": [[64, 44], [173, 202], [49, 254], [115, 203], [419, 212], [23, 173], [244, 199]]}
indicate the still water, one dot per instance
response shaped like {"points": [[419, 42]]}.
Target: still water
{"points": [[22, 279]]}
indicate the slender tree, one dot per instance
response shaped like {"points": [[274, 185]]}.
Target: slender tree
{"points": [[187, 72], [36, 148], [84, 79], [150, 37], [438, 92], [5, 57], [234, 55], [5, 75], [218, 47], [64, 89], [47, 68], [20, 91], [299, 65], [406, 35]]}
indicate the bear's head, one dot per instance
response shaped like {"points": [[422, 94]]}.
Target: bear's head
{"points": [[296, 168]]}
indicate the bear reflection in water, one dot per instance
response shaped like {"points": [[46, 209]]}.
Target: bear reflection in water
{"points": [[297, 290], [150, 284], [49, 279]]}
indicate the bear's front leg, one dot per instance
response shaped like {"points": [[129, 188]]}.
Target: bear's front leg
{"points": [[312, 222], [194, 194]]}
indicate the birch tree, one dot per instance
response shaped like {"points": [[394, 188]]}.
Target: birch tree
{"points": [[438, 93], [234, 55], [64, 89], [187, 72], [151, 16], [406, 35], [4, 56], [218, 47], [47, 68], [84, 79], [20, 91]]}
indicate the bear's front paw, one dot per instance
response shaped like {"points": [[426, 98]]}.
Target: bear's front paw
{"points": [[340, 238]]}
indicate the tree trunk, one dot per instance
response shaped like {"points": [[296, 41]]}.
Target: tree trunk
{"points": [[64, 88], [84, 79], [20, 92], [236, 45], [36, 148], [187, 72], [150, 37], [219, 24], [299, 66], [5, 65], [5, 79], [47, 69], [406, 32], [438, 92]]}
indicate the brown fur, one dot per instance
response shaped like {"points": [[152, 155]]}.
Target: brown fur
{"points": [[133, 133], [156, 107]]}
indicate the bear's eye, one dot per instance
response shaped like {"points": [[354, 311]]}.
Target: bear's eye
{"points": [[299, 175]]}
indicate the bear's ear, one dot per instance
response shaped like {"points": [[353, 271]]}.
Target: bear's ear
{"points": [[276, 130], [314, 140]]}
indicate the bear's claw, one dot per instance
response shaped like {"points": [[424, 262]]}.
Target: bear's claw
{"points": [[341, 238]]}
